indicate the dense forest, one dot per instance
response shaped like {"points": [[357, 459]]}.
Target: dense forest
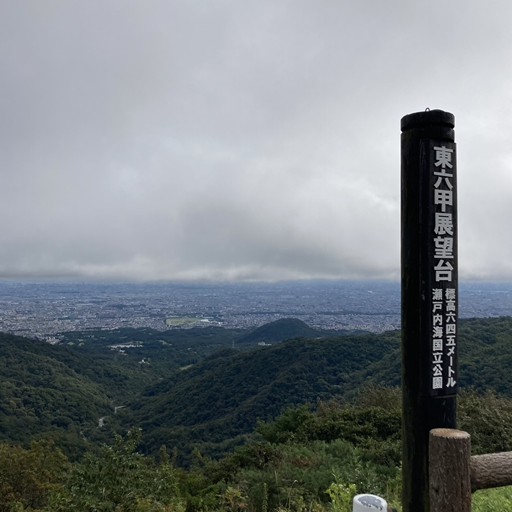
{"points": [[137, 419]]}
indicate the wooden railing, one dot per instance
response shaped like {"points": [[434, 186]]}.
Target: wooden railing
{"points": [[454, 473]]}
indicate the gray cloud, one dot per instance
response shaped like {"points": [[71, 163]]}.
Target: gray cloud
{"points": [[242, 140]]}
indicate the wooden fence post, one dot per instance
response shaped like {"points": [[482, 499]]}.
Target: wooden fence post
{"points": [[449, 465]]}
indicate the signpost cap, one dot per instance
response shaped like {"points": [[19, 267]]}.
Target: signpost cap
{"points": [[428, 117]]}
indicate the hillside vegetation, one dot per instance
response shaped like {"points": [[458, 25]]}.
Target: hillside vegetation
{"points": [[280, 330], [306, 459], [63, 390], [190, 390], [225, 395]]}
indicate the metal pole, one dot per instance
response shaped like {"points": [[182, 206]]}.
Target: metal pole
{"points": [[429, 292]]}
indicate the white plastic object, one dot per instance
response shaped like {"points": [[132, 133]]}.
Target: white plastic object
{"points": [[369, 503]]}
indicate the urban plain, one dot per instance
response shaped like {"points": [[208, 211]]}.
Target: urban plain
{"points": [[44, 309]]}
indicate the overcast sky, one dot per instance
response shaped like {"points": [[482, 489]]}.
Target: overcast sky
{"points": [[243, 139]]}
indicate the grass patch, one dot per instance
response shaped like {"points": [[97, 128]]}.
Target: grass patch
{"points": [[180, 321], [492, 500]]}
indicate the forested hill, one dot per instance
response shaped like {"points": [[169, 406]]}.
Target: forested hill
{"points": [[225, 394], [190, 387], [485, 354], [61, 391], [280, 330], [40, 392]]}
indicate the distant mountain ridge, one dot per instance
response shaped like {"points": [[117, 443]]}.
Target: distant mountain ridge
{"points": [[280, 330]]}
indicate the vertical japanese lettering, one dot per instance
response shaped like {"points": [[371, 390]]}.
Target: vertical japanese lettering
{"points": [[443, 269]]}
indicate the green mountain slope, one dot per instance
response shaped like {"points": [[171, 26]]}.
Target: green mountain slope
{"points": [[280, 330], [485, 354], [40, 394], [124, 361], [185, 394], [224, 396], [62, 391]]}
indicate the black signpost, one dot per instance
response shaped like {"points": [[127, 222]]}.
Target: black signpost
{"points": [[429, 292]]}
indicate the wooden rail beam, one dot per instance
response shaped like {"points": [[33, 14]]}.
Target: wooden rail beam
{"points": [[491, 470]]}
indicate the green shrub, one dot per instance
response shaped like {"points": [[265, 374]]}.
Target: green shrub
{"points": [[121, 480]]}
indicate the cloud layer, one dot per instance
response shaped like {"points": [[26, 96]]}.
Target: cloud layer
{"points": [[242, 140]]}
